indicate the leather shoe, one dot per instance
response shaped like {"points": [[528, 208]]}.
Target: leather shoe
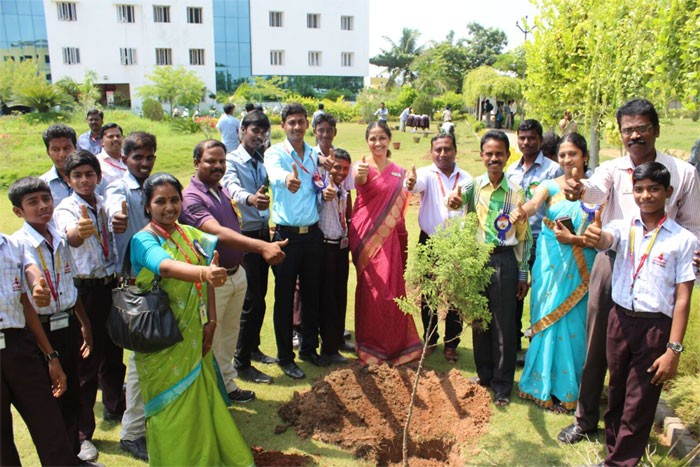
{"points": [[429, 350], [109, 416], [347, 346], [314, 359], [253, 375], [334, 358], [451, 355], [258, 356], [293, 371], [136, 448], [572, 434], [241, 395]]}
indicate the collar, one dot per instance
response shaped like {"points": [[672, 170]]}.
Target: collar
{"points": [[201, 186], [3, 239], [131, 182], [485, 181], [36, 239], [318, 149], [52, 175], [626, 162], [98, 200], [539, 160], [103, 154], [668, 224], [289, 149], [434, 168]]}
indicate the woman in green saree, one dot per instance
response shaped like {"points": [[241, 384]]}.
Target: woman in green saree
{"points": [[187, 421]]}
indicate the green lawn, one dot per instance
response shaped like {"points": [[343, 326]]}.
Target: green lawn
{"points": [[521, 434]]}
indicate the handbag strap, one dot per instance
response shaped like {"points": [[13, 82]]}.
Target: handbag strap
{"points": [[126, 264]]}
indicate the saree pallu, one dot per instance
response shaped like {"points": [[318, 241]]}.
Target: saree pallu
{"points": [[187, 421], [379, 241], [558, 300]]}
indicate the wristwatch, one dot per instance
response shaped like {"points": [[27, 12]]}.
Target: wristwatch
{"points": [[51, 356], [677, 347]]}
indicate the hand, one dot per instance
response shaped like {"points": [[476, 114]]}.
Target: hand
{"points": [[411, 180], [363, 168], [86, 228], [272, 252], [522, 290], [574, 188], [455, 200], [328, 162], [41, 293], [292, 181], [208, 337], [593, 231], [58, 379], [86, 348], [518, 214], [665, 367], [562, 233], [259, 200], [120, 221], [214, 274], [696, 261], [330, 192]]}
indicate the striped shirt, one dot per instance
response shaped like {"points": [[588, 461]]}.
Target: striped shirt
{"points": [[333, 215], [12, 283]]}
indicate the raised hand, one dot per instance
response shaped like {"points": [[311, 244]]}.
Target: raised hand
{"points": [[120, 221], [329, 161], [574, 188], [292, 180], [330, 192], [41, 293], [272, 252], [259, 200], [86, 227], [363, 167], [518, 214], [593, 231], [214, 274], [412, 177], [455, 200]]}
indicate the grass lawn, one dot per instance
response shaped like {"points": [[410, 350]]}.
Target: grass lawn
{"points": [[521, 434]]}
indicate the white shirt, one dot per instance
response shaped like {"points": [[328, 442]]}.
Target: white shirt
{"points": [[58, 264], [332, 215], [434, 186], [90, 258], [12, 283], [112, 169], [59, 188], [670, 262]]}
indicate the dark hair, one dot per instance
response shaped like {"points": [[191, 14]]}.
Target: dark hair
{"points": [[95, 112], [321, 106], [259, 107], [109, 126], [342, 154], [138, 140], [204, 145], [443, 136], [256, 118], [228, 108], [58, 130], [531, 124], [638, 107], [293, 108], [654, 171], [498, 135], [326, 117], [249, 107], [384, 126], [550, 141], [156, 180], [26, 186], [578, 141], [82, 157]]}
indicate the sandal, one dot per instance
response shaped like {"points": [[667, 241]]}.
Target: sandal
{"points": [[501, 401]]}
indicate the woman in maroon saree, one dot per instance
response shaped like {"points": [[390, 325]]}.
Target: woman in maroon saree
{"points": [[378, 241]]}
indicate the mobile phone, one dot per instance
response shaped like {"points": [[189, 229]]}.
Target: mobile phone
{"points": [[566, 222]]}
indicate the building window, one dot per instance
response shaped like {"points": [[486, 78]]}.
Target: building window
{"points": [[347, 23], [196, 56], [313, 21], [161, 14], [67, 11], [125, 14], [71, 55], [194, 15], [346, 58], [276, 19], [127, 56], [277, 57], [314, 58], [164, 56]]}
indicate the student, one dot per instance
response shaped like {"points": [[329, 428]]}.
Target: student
{"points": [[83, 218], [59, 140], [652, 284], [31, 200]]}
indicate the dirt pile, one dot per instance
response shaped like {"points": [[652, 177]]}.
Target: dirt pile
{"points": [[363, 410], [264, 458]]}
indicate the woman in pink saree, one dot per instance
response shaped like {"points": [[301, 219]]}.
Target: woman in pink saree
{"points": [[378, 241]]}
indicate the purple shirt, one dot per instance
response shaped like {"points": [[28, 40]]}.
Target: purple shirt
{"points": [[199, 204]]}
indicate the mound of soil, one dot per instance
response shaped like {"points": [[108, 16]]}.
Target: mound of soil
{"points": [[278, 458], [364, 410]]}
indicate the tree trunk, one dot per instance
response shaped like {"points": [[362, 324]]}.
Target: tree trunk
{"points": [[594, 142]]}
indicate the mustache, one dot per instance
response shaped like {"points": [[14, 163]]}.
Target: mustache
{"points": [[639, 141], [217, 171]]}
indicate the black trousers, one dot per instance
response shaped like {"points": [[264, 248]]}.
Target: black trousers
{"points": [[334, 297], [25, 385], [494, 348], [256, 271], [304, 253], [104, 366], [520, 303]]}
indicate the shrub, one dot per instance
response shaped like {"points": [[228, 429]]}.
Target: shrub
{"points": [[152, 110], [368, 102], [423, 104], [451, 98], [399, 101], [341, 109], [185, 125]]}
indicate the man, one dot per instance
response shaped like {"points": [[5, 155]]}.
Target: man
{"points": [[611, 184], [292, 166], [113, 168], [59, 140], [92, 140], [404, 116], [125, 209], [529, 172], [207, 206], [568, 124], [228, 126], [435, 183], [320, 111], [382, 112], [492, 196]]}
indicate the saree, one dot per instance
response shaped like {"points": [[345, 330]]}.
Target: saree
{"points": [[558, 300], [379, 241], [187, 421]]}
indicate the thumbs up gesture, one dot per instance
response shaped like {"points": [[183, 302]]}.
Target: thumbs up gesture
{"points": [[330, 192], [518, 214], [412, 177], [259, 200], [329, 161], [214, 274], [292, 181], [574, 188], [273, 253], [86, 227], [41, 293], [455, 201], [120, 220], [593, 233], [361, 171]]}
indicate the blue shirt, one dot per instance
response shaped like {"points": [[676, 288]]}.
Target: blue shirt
{"points": [[87, 142], [292, 209], [244, 176], [542, 169], [228, 127], [59, 188]]}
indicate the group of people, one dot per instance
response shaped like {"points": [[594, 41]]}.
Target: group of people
{"points": [[210, 247]]}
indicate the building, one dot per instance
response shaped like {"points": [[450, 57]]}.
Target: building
{"points": [[23, 33]]}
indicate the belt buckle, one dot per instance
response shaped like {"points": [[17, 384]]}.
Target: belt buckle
{"points": [[304, 230]]}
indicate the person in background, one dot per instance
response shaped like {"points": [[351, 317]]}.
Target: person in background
{"points": [[382, 112], [403, 118], [111, 163], [91, 140], [228, 126], [316, 114], [59, 140]]}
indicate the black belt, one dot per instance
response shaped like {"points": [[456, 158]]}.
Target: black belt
{"points": [[46, 318], [298, 230], [261, 232], [641, 314], [233, 270], [93, 281], [502, 249]]}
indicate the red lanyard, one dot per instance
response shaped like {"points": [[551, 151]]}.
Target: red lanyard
{"points": [[300, 163], [642, 260], [113, 164], [47, 274], [341, 213], [162, 232], [442, 187], [102, 237]]}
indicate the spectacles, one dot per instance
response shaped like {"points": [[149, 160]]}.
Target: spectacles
{"points": [[640, 130]]}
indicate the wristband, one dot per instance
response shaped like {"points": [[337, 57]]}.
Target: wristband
{"points": [[51, 355]]}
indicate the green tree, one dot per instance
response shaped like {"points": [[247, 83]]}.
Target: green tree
{"points": [[15, 75], [512, 61], [42, 96], [441, 67], [483, 45], [88, 92], [259, 89], [174, 86], [397, 60]]}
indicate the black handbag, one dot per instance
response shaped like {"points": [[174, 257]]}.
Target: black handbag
{"points": [[141, 321]]}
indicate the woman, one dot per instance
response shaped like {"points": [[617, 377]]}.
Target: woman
{"points": [[378, 241], [186, 417], [555, 358]]}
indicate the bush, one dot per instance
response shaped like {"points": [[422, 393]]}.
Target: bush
{"points": [[342, 110], [152, 110], [399, 101], [185, 125], [368, 102], [423, 104], [451, 98]]}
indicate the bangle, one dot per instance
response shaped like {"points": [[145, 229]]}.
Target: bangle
{"points": [[211, 321], [31, 289], [201, 270]]}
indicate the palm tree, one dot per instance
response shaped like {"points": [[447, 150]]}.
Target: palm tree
{"points": [[397, 60]]}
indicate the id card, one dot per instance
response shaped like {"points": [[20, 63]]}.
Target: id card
{"points": [[344, 242], [203, 317], [2, 340], [58, 321]]}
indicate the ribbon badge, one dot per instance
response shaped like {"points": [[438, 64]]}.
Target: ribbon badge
{"points": [[502, 225], [590, 209], [531, 189], [319, 182]]}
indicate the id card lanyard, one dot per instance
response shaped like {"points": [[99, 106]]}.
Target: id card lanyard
{"points": [[645, 255], [52, 282]]}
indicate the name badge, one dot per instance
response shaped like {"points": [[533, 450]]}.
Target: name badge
{"points": [[2, 340], [58, 321], [659, 260], [344, 242], [396, 174], [203, 316]]}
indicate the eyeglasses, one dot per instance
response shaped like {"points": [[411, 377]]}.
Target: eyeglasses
{"points": [[640, 130]]}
